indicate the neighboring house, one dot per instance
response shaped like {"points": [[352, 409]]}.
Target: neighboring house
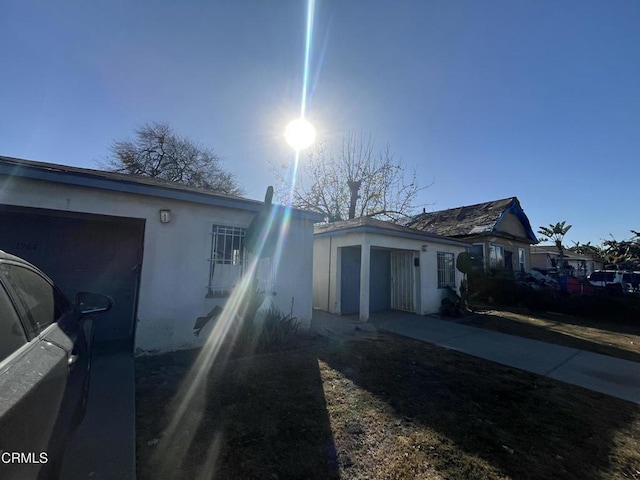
{"points": [[547, 257], [167, 253], [499, 232], [366, 265]]}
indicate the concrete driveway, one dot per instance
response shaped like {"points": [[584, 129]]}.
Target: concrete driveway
{"points": [[612, 376], [103, 447]]}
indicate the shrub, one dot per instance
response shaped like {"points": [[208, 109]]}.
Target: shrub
{"points": [[494, 287], [261, 330], [276, 329], [505, 291]]}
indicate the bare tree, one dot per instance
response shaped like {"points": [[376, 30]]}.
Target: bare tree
{"points": [[357, 181], [157, 151]]}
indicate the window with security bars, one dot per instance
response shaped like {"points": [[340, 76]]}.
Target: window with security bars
{"points": [[227, 260], [446, 270]]}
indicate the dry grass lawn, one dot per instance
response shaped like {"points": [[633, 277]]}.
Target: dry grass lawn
{"points": [[607, 337], [382, 408]]}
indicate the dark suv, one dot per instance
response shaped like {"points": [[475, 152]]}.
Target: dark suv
{"points": [[45, 360]]}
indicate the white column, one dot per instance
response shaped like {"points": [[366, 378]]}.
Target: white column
{"points": [[365, 264]]}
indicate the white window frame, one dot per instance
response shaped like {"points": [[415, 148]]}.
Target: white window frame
{"points": [[493, 258], [484, 253], [522, 259], [446, 271]]}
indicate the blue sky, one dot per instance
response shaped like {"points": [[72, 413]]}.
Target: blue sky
{"points": [[488, 99]]}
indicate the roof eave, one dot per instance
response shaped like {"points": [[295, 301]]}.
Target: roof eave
{"points": [[79, 177], [392, 233]]}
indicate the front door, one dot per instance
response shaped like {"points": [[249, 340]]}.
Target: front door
{"points": [[508, 260]]}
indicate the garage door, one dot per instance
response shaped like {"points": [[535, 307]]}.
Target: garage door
{"points": [[82, 252], [380, 281]]}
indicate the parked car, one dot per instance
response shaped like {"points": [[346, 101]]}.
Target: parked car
{"points": [[628, 281], [45, 347]]}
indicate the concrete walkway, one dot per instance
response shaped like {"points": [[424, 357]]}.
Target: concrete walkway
{"points": [[601, 373]]}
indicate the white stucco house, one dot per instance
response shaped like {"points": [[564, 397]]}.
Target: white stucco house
{"points": [[165, 252], [365, 265]]}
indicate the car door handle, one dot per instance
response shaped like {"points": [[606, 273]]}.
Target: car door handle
{"points": [[73, 359]]}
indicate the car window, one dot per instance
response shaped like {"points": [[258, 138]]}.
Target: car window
{"points": [[12, 335], [42, 304]]}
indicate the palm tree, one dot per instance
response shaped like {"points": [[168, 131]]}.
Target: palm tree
{"points": [[555, 233]]}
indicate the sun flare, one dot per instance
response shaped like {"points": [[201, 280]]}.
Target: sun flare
{"points": [[300, 134]]}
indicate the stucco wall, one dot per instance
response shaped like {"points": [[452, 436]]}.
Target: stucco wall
{"points": [[427, 295], [508, 245], [322, 266], [511, 224], [430, 293], [175, 269], [542, 259]]}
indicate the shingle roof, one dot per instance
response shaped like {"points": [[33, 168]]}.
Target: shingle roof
{"points": [[470, 220]]}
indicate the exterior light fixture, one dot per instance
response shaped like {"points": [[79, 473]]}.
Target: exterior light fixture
{"points": [[165, 216], [424, 248]]}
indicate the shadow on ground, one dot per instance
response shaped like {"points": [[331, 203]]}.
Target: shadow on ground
{"points": [[262, 417], [523, 425]]}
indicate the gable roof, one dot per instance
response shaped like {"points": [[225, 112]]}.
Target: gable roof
{"points": [[137, 184], [373, 225], [471, 220]]}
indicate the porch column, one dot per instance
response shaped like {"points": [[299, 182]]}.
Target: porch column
{"points": [[365, 264]]}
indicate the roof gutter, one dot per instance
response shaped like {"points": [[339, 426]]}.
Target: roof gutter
{"points": [[393, 233], [88, 179]]}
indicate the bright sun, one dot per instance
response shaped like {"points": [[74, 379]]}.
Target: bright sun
{"points": [[300, 134]]}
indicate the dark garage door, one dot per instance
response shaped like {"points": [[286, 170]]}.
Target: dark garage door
{"points": [[379, 280], [82, 252]]}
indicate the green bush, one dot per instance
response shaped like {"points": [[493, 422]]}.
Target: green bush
{"points": [[276, 329], [494, 288], [260, 330]]}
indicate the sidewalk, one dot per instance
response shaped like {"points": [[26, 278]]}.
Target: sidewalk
{"points": [[612, 376]]}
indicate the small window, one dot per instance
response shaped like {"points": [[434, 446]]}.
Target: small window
{"points": [[12, 335], [227, 259], [446, 270], [521, 260], [39, 302], [496, 256]]}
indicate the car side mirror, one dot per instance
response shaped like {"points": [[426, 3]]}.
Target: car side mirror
{"points": [[87, 302]]}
